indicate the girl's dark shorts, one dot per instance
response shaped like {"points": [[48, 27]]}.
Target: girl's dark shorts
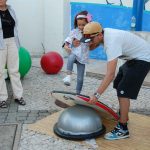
{"points": [[130, 78]]}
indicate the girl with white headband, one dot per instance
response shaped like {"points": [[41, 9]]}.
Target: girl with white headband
{"points": [[78, 55]]}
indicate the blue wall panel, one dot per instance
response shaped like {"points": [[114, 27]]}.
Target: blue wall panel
{"points": [[118, 17], [146, 21]]}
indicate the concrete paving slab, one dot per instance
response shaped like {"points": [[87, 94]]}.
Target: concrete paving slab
{"points": [[7, 136], [36, 90], [37, 87], [97, 69]]}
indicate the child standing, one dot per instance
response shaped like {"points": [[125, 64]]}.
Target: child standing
{"points": [[78, 55]]}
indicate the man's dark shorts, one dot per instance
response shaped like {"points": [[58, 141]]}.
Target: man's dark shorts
{"points": [[130, 78]]}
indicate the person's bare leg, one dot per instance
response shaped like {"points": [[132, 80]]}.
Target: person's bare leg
{"points": [[124, 109]]}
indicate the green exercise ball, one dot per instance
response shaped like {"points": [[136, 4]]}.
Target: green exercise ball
{"points": [[24, 61]]}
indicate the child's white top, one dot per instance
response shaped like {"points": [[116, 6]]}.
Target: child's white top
{"points": [[82, 51]]}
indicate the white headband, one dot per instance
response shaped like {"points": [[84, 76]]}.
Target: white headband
{"points": [[81, 16]]}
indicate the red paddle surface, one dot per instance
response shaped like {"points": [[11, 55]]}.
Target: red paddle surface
{"points": [[101, 105]]}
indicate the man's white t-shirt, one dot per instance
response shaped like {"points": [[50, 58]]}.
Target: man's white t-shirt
{"points": [[125, 45]]}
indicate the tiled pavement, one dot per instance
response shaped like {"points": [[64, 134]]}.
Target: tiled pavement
{"points": [[37, 86], [12, 114]]}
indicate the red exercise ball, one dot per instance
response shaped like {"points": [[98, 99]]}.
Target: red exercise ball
{"points": [[51, 62]]}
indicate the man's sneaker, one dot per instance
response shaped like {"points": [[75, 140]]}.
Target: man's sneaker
{"points": [[67, 80], [117, 133]]}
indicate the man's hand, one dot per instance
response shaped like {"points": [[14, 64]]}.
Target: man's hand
{"points": [[76, 43], [92, 100]]}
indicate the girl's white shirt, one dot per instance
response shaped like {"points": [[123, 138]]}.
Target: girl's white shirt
{"points": [[82, 51]]}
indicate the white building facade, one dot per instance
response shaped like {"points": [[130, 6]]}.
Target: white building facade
{"points": [[47, 22]]}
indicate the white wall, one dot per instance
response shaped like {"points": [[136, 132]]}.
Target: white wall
{"points": [[54, 25], [128, 3], [31, 23], [47, 22]]}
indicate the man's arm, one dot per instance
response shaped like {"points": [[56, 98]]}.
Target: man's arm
{"points": [[110, 74]]}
